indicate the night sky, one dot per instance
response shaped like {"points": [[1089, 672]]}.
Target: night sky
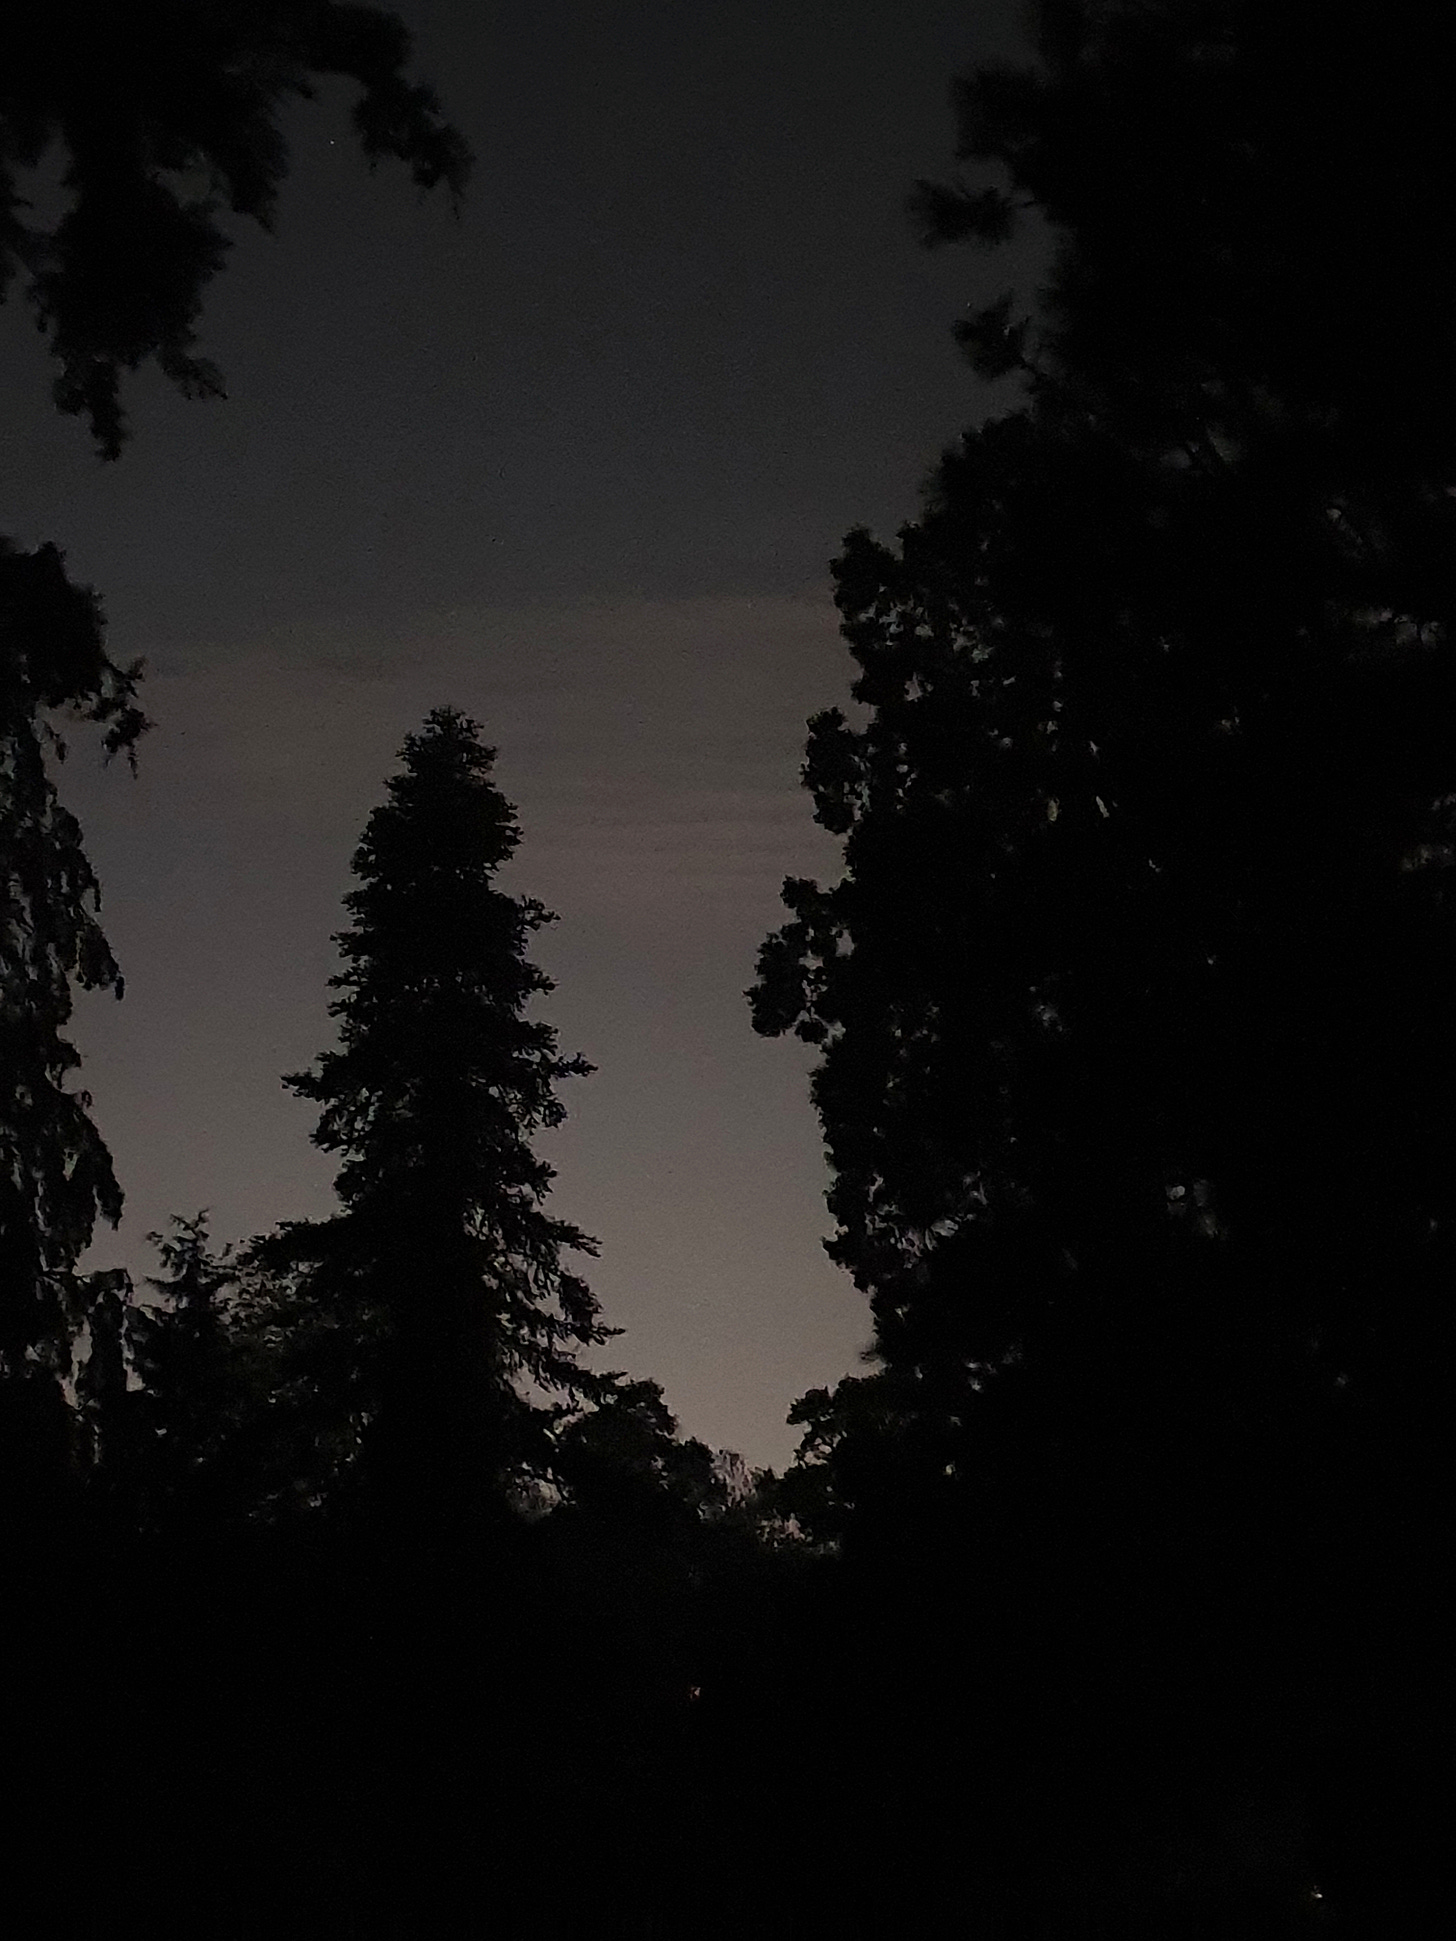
{"points": [[576, 463]]}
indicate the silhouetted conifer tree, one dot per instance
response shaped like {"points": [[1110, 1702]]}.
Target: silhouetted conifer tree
{"points": [[56, 1178], [165, 119], [166, 115], [196, 1436], [433, 1313]]}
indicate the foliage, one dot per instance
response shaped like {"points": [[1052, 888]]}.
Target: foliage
{"points": [[1146, 818], [1251, 298], [164, 114], [208, 1456], [56, 1177], [167, 117], [1136, 1070], [624, 1460], [435, 1306]]}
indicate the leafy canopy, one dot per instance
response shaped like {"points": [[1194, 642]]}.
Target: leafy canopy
{"points": [[167, 117], [56, 1177]]}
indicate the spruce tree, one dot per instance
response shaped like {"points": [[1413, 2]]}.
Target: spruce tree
{"points": [[431, 1321]]}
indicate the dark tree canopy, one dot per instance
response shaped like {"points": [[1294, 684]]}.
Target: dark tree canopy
{"points": [[1243, 204], [1253, 287], [435, 1310], [189, 1457], [1136, 1074], [623, 1466], [1137, 1068], [1148, 829], [56, 1177], [167, 114]]}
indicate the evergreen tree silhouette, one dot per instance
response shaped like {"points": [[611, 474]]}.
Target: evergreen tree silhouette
{"points": [[56, 1177], [434, 1313], [165, 119], [198, 1389], [166, 116]]}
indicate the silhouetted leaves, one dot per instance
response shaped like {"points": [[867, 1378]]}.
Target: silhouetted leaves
{"points": [[1142, 843], [1108, 1600], [56, 1177], [168, 117], [1135, 1069]]}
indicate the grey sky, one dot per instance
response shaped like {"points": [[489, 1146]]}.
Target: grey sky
{"points": [[576, 463]]}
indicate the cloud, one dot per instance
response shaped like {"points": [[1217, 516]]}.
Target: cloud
{"points": [[651, 747]]}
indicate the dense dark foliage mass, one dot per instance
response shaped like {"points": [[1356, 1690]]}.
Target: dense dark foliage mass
{"points": [[1109, 1600], [1136, 1073], [56, 1177], [368, 1577], [167, 114]]}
